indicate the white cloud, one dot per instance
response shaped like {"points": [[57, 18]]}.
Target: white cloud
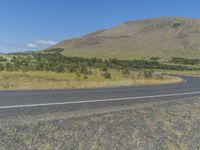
{"points": [[31, 45], [45, 42], [40, 43]]}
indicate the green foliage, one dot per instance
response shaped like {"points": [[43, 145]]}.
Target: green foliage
{"points": [[1, 67], [104, 69], [85, 77], [84, 70], [2, 59], [78, 76], [106, 75], [155, 58], [148, 73], [54, 50], [35, 61], [185, 61], [125, 72]]}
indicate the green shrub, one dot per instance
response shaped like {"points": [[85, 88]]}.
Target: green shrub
{"points": [[148, 73], [125, 72], [2, 58], [104, 69], [106, 75], [85, 77]]}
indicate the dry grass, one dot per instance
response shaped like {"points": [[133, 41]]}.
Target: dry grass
{"points": [[156, 125], [194, 73], [52, 80]]}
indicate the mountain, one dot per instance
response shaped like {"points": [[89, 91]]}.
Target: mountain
{"points": [[162, 37]]}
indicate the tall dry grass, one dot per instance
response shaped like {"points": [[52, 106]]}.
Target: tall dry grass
{"points": [[52, 80]]}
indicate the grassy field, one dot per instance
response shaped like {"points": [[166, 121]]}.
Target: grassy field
{"points": [[52, 80], [161, 125]]}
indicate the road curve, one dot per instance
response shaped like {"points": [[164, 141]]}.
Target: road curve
{"points": [[31, 102]]}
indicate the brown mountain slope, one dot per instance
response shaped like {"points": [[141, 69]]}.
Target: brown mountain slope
{"points": [[162, 37]]}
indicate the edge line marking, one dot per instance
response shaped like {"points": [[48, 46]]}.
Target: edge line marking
{"points": [[98, 100]]}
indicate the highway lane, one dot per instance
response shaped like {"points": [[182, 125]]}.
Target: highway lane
{"points": [[31, 102]]}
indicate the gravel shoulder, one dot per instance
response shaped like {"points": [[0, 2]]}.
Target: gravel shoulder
{"points": [[157, 125]]}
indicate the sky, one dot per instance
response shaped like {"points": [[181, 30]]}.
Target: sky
{"points": [[37, 24]]}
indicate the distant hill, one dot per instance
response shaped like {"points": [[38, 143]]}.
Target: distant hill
{"points": [[163, 37], [1, 55]]}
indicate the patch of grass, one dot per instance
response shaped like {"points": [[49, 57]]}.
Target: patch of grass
{"points": [[181, 146], [53, 80], [195, 73], [170, 147]]}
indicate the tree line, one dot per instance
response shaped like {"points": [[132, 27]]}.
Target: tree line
{"points": [[59, 63], [185, 61]]}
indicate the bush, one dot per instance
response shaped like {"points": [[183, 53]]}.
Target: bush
{"points": [[1, 67], [83, 70], [148, 74], [78, 76], [155, 58], [85, 77], [2, 59], [104, 69], [106, 75], [125, 72]]}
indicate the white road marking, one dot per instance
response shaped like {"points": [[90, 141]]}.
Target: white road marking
{"points": [[100, 100]]}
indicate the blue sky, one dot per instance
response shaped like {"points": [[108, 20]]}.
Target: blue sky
{"points": [[36, 24]]}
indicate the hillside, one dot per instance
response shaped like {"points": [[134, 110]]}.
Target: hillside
{"points": [[162, 37]]}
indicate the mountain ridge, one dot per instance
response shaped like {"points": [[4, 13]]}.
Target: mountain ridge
{"points": [[164, 37]]}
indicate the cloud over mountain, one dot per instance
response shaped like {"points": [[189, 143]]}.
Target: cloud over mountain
{"points": [[41, 43]]}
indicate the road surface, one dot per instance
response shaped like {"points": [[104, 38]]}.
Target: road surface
{"points": [[47, 101]]}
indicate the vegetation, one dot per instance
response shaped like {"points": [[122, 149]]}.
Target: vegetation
{"points": [[50, 69], [106, 75], [2, 59], [97, 78], [185, 61], [59, 63]]}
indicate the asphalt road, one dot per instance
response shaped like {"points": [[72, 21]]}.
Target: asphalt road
{"points": [[48, 101]]}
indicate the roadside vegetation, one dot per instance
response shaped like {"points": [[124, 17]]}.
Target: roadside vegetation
{"points": [[185, 61], [53, 80], [51, 70], [54, 61]]}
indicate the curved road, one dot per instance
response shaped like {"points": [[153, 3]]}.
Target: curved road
{"points": [[31, 102]]}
